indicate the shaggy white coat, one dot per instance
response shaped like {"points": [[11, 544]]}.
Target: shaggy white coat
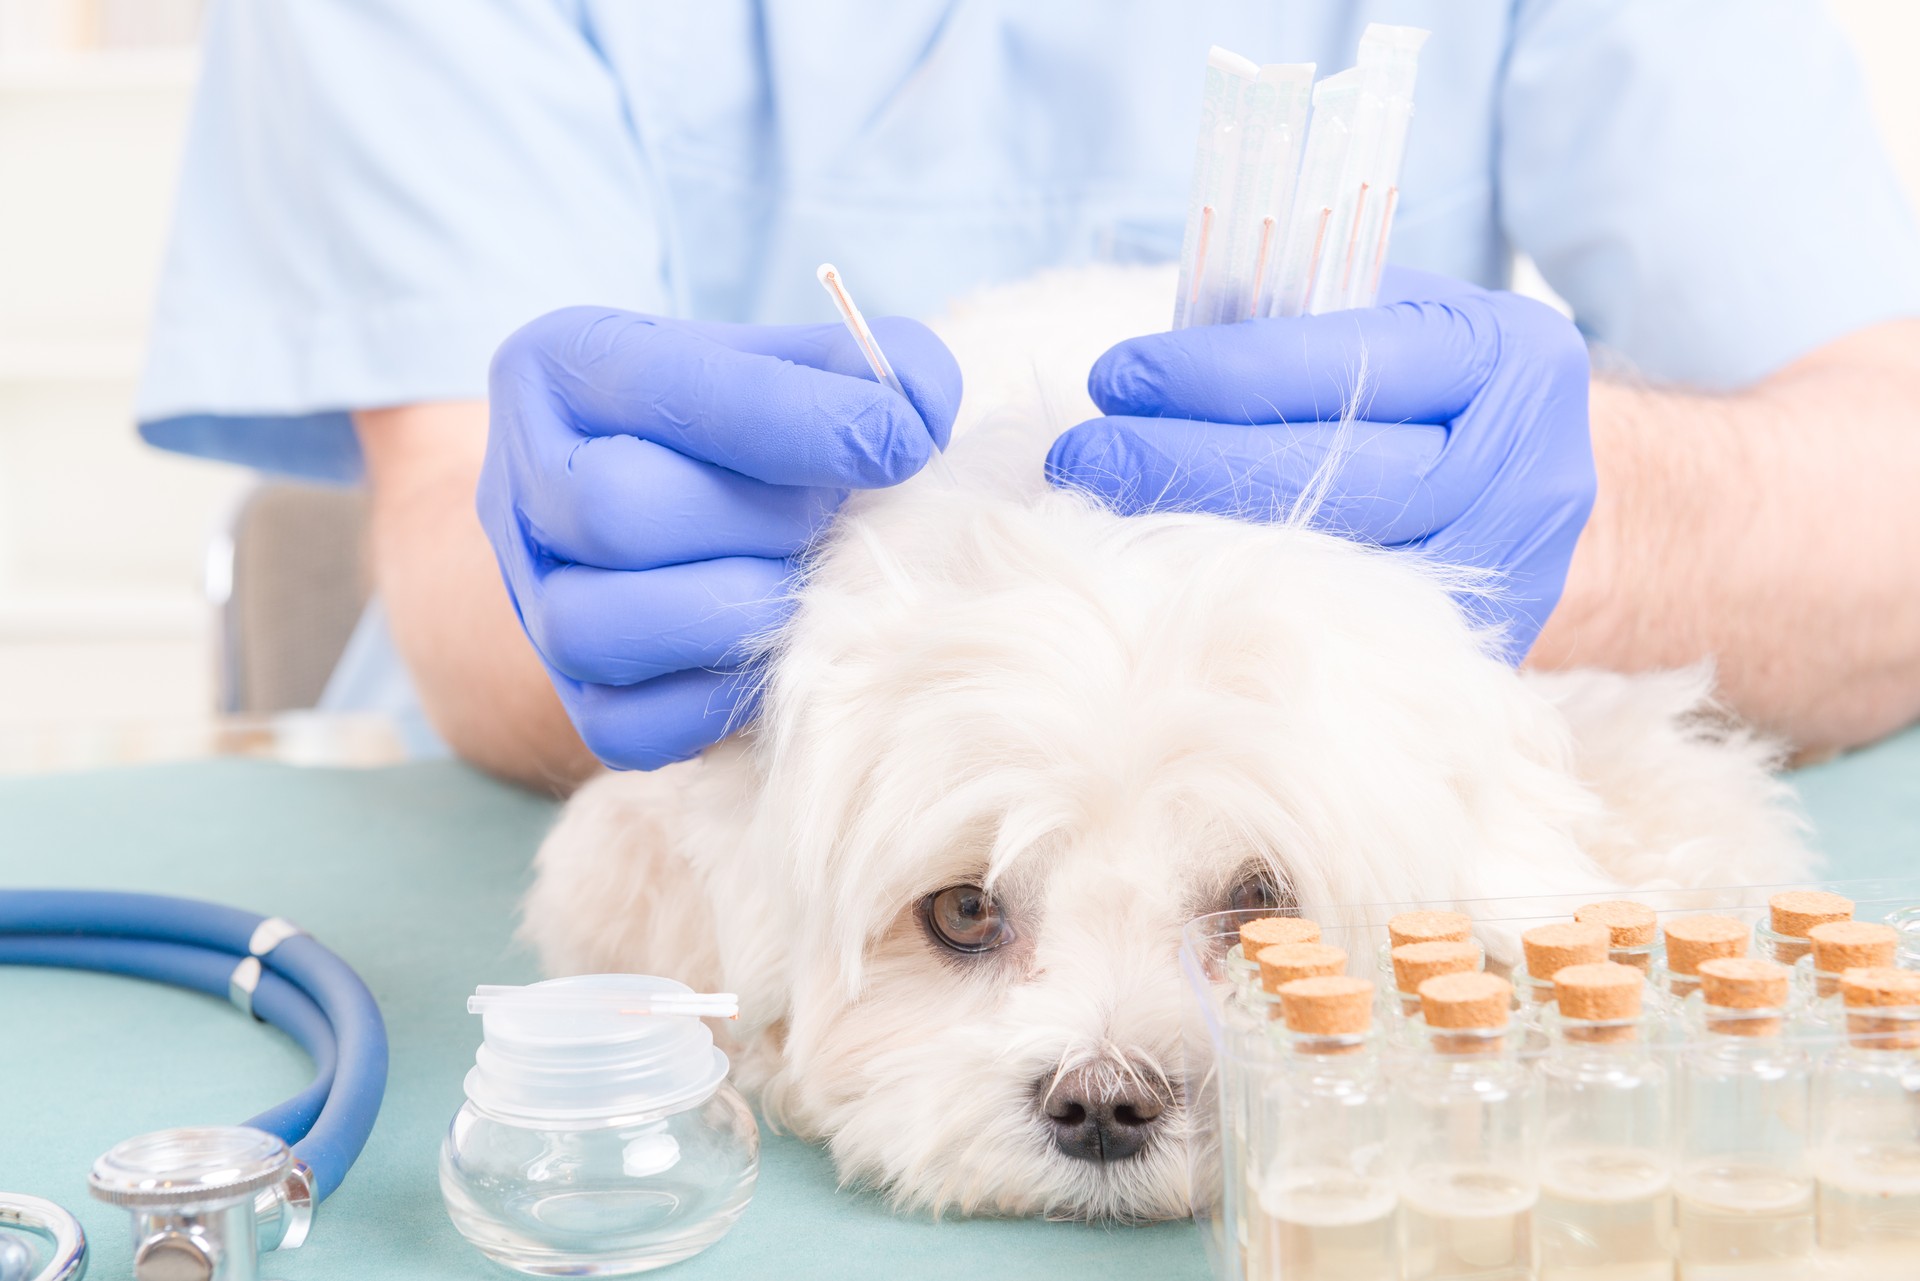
{"points": [[1107, 721]]}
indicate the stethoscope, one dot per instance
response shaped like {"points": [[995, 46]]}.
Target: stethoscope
{"points": [[207, 1200]]}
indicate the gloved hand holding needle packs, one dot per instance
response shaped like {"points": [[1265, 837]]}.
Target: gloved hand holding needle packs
{"points": [[1469, 440]]}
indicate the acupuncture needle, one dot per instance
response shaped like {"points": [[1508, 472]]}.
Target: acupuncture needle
{"points": [[1200, 253], [830, 280], [1353, 238], [1267, 225], [1313, 268]]}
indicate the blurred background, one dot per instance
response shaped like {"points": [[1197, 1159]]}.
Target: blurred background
{"points": [[114, 556]]}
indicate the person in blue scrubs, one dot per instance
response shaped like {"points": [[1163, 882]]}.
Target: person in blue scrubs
{"points": [[375, 195]]}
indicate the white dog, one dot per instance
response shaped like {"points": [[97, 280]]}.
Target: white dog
{"points": [[1011, 742]]}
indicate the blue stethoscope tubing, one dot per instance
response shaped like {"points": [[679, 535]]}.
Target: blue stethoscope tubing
{"points": [[305, 990], [276, 1001]]}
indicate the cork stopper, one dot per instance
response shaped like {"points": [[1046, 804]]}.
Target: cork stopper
{"points": [[1415, 963], [1285, 962], [1602, 991], [1552, 948], [1629, 924], [1271, 931], [1328, 1005], [1744, 983], [1846, 945], [1469, 1001], [1879, 985], [1693, 939], [1795, 912], [1882, 987], [1429, 927]]}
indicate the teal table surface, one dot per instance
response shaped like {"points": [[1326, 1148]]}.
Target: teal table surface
{"points": [[412, 874]]}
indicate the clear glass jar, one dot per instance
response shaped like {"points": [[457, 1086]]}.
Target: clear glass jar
{"points": [[1320, 1159], [1744, 1192], [1468, 1113], [1606, 1176], [597, 1142], [609, 1201]]}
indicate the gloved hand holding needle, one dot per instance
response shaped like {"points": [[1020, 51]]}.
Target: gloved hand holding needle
{"points": [[648, 483], [1470, 440]]}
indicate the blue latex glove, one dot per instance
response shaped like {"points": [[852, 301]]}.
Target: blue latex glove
{"points": [[649, 483], [1470, 441]]}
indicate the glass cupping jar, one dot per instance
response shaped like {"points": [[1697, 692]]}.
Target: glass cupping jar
{"points": [[597, 1141]]}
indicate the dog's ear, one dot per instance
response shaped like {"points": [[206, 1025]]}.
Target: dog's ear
{"points": [[614, 890]]}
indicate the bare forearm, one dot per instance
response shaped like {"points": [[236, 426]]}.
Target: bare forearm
{"points": [[478, 677], [1776, 531]]}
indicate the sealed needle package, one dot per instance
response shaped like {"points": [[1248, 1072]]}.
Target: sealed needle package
{"points": [[1252, 126], [1295, 184]]}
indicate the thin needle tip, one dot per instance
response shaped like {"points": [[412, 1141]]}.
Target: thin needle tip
{"points": [[829, 277]]}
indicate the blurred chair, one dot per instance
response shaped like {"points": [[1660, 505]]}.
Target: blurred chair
{"points": [[290, 578]]}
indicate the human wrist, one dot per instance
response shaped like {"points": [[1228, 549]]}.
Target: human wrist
{"points": [[1584, 624]]}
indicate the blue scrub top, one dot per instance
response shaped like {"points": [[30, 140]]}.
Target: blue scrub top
{"points": [[376, 192]]}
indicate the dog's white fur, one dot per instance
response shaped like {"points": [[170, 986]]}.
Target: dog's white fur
{"points": [[1106, 720]]}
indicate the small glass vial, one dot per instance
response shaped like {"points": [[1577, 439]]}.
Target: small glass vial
{"points": [[1839, 946], [1791, 914], [1548, 950], [598, 1138], [1744, 1193], [1425, 927], [1414, 963], [1267, 931], [1606, 1179], [1632, 929], [1866, 1098], [1468, 1122], [1690, 941], [1324, 1191], [1281, 964]]}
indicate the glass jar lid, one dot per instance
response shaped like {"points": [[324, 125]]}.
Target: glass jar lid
{"points": [[548, 1058]]}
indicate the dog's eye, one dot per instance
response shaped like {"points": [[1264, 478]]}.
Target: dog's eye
{"points": [[963, 918], [1255, 894]]}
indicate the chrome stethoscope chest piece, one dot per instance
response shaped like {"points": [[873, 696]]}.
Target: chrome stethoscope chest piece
{"points": [[192, 1192], [43, 1218]]}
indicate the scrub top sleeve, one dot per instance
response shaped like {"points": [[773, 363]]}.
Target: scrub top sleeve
{"points": [[373, 194], [1703, 182]]}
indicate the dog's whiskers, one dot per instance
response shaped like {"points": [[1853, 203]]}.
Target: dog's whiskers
{"points": [[1059, 1070]]}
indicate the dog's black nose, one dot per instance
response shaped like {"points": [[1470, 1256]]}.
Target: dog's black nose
{"points": [[1099, 1114]]}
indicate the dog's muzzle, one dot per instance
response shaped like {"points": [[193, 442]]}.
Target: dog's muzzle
{"points": [[1098, 1112]]}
